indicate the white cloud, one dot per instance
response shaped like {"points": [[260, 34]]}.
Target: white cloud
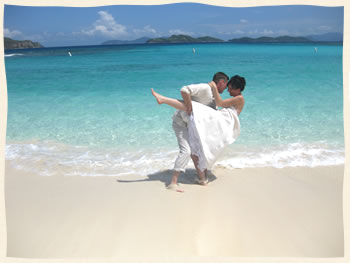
{"points": [[37, 37], [283, 32], [263, 32], [243, 21], [324, 28], [60, 34], [235, 33], [180, 32], [267, 32], [18, 35], [12, 33], [238, 32], [253, 32], [146, 30], [106, 26]]}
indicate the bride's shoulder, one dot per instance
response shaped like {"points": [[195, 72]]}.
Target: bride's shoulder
{"points": [[239, 97]]}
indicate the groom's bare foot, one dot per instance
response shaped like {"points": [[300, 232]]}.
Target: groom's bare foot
{"points": [[175, 187], [158, 97]]}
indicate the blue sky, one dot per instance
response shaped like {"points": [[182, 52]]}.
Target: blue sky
{"points": [[70, 26]]}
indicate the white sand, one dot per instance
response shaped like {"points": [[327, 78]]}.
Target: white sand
{"points": [[265, 212]]}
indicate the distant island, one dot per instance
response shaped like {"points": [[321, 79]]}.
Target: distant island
{"points": [[179, 39], [184, 39], [328, 37], [281, 39], [20, 44], [141, 40]]}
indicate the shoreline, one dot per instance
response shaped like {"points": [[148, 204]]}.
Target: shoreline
{"points": [[251, 212], [50, 158]]}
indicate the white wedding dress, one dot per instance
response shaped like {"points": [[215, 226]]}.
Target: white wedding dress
{"points": [[210, 131]]}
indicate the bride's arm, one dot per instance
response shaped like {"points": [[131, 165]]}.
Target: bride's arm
{"points": [[226, 102], [188, 101]]}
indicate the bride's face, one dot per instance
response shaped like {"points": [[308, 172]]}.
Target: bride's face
{"points": [[233, 92]]}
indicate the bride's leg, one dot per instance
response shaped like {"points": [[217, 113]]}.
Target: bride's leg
{"points": [[169, 101], [201, 174]]}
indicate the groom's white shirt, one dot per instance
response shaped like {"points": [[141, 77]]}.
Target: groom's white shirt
{"points": [[200, 93]]}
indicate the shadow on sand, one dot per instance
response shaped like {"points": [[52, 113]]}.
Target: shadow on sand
{"points": [[165, 177]]}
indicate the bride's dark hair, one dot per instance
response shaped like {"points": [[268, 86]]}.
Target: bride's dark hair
{"points": [[237, 82]]}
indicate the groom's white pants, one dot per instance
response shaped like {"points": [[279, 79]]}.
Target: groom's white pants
{"points": [[181, 132]]}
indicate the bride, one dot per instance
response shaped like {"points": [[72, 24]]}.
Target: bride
{"points": [[211, 130]]}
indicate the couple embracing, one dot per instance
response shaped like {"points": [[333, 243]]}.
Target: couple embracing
{"points": [[203, 130]]}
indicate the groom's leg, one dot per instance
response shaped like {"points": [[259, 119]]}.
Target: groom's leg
{"points": [[183, 158], [175, 177]]}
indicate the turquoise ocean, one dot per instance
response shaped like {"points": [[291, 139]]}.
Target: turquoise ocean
{"points": [[93, 114]]}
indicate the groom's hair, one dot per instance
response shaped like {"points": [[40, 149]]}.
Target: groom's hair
{"points": [[218, 76]]}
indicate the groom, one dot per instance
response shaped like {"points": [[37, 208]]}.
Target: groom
{"points": [[201, 93]]}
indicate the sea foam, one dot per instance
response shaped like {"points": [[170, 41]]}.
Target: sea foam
{"points": [[12, 55], [291, 155], [48, 158]]}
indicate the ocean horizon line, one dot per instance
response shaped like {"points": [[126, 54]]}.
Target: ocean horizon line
{"points": [[324, 43]]}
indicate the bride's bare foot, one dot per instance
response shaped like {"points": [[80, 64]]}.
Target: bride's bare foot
{"points": [[158, 97], [204, 181]]}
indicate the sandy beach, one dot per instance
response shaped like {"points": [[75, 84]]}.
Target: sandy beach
{"points": [[257, 212]]}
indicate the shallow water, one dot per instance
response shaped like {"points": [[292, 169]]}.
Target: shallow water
{"points": [[93, 113]]}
